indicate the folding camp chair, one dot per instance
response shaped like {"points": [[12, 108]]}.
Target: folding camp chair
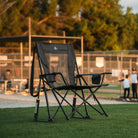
{"points": [[59, 71]]}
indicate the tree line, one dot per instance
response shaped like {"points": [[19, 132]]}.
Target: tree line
{"points": [[102, 23]]}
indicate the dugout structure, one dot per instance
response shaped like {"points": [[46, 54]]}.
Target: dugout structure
{"points": [[34, 38]]}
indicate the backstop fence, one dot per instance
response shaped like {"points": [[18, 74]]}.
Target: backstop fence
{"points": [[119, 63]]}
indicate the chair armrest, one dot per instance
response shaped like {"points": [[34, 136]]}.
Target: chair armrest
{"points": [[96, 78], [107, 73], [79, 75]]}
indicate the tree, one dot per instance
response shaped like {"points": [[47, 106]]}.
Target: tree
{"points": [[105, 27], [5, 5], [127, 31], [101, 22], [15, 20]]}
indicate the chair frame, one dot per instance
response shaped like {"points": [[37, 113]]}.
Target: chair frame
{"points": [[79, 78]]}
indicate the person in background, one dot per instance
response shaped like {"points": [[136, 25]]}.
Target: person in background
{"points": [[27, 84], [6, 77], [134, 84], [126, 88]]}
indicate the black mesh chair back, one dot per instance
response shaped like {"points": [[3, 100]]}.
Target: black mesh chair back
{"points": [[57, 58]]}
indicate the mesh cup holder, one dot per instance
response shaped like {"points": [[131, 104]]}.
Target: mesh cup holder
{"points": [[96, 79]]}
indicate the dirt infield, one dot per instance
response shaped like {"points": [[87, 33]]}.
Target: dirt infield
{"points": [[17, 100]]}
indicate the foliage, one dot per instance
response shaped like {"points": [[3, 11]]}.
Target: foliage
{"points": [[102, 23]]}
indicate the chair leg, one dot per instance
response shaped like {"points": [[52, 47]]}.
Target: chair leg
{"points": [[74, 104], [60, 104], [85, 100], [48, 108], [46, 98], [37, 103], [86, 111], [98, 101], [36, 109], [100, 105], [73, 108], [92, 93]]}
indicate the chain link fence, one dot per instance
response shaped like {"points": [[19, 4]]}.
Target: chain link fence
{"points": [[119, 63]]}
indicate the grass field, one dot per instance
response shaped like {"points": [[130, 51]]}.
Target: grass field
{"points": [[122, 122]]}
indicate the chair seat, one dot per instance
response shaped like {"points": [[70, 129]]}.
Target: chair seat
{"points": [[74, 87]]}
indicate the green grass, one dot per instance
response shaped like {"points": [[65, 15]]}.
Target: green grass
{"points": [[121, 123]]}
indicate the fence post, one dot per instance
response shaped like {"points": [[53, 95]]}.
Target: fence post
{"points": [[29, 51], [88, 63], [82, 52], [21, 56], [121, 74]]}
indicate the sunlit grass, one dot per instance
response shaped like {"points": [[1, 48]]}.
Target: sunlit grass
{"points": [[121, 122]]}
